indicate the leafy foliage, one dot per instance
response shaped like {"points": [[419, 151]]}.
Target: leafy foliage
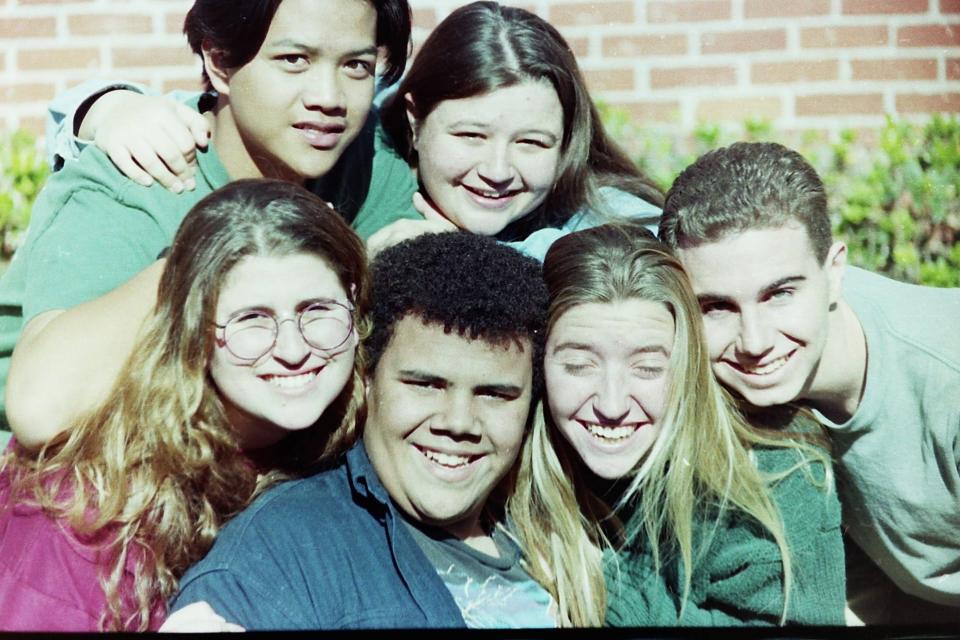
{"points": [[23, 171]]}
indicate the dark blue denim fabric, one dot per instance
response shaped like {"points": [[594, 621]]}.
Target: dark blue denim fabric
{"points": [[325, 552]]}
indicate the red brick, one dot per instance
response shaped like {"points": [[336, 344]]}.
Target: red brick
{"points": [[953, 68], [424, 18], [609, 79], [591, 13], [949, 6], [173, 22], [768, 9], [934, 35], [636, 46], [104, 24], [50, 58], [839, 104], [27, 92], [894, 69], [812, 71], [862, 7], [737, 109], [928, 103], [842, 37], [30, 2], [153, 57], [642, 113], [183, 84], [692, 76], [688, 10], [33, 124], [579, 46], [741, 41], [28, 27]]}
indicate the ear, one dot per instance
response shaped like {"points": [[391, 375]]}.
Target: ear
{"points": [[412, 120], [835, 265], [213, 65]]}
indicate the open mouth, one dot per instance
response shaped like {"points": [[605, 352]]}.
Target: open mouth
{"points": [[292, 382], [320, 136], [492, 197], [447, 460], [765, 369], [610, 435]]}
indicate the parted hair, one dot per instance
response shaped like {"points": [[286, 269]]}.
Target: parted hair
{"points": [[702, 457], [237, 28], [484, 46], [154, 472], [748, 185]]}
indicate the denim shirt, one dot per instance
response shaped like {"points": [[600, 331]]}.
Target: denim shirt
{"points": [[325, 552]]}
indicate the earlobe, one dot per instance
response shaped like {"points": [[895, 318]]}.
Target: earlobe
{"points": [[835, 265], [213, 65], [411, 119]]}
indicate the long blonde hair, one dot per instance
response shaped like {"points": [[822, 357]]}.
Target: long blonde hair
{"points": [[699, 467], [152, 474]]}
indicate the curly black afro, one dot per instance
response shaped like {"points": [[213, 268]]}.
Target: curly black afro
{"points": [[467, 283]]}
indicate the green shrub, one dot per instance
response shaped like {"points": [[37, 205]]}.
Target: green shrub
{"points": [[23, 170], [894, 201]]}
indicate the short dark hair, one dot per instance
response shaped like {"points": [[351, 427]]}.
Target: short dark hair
{"points": [[237, 29], [467, 283], [748, 185]]}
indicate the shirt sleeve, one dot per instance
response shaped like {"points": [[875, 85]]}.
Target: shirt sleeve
{"points": [[237, 598]]}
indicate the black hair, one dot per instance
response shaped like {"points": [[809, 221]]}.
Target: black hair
{"points": [[237, 28], [467, 283]]}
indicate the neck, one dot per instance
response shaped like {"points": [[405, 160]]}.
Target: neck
{"points": [[240, 157], [474, 535], [841, 375], [252, 433]]}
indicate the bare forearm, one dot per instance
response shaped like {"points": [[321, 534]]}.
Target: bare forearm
{"points": [[66, 362]]}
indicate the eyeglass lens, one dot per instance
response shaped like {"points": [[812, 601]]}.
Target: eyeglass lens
{"points": [[323, 325]]}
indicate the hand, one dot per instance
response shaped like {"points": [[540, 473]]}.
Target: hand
{"points": [[401, 230], [147, 137], [198, 617]]}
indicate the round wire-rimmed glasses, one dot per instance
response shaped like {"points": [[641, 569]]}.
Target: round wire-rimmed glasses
{"points": [[249, 334]]}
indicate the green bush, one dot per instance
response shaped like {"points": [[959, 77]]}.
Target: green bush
{"points": [[23, 170], [894, 200]]}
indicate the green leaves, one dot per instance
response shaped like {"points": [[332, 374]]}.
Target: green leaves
{"points": [[23, 170]]}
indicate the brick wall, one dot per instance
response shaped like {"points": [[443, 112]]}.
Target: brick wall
{"points": [[803, 64]]}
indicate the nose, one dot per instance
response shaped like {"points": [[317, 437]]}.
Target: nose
{"points": [[496, 168], [290, 347], [611, 404], [323, 90], [458, 417], [755, 335]]}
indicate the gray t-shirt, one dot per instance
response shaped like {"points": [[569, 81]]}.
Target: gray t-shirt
{"points": [[492, 593]]}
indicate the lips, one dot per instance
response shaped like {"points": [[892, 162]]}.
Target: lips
{"points": [[763, 369], [447, 460], [292, 383], [320, 135], [491, 198], [610, 434]]}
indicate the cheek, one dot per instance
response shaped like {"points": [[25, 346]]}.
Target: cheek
{"points": [[565, 394], [540, 170]]}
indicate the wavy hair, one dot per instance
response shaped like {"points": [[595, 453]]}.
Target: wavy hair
{"points": [[152, 474], [699, 467], [485, 46]]}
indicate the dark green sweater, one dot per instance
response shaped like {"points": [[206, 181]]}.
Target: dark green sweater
{"points": [[739, 579]]}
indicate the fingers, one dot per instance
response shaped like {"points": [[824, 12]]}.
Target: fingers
{"points": [[160, 157], [197, 127], [401, 230], [197, 617], [429, 212]]}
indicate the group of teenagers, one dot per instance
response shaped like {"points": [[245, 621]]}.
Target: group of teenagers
{"points": [[500, 400]]}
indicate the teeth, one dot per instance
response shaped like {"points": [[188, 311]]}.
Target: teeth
{"points": [[610, 433], [768, 368], [292, 382], [445, 459]]}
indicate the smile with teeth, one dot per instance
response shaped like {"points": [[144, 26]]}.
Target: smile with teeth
{"points": [[609, 434], [493, 195], [765, 369], [448, 460], [292, 382]]}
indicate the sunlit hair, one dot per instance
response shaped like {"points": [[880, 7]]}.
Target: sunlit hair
{"points": [[154, 472], [699, 465], [748, 185], [484, 46]]}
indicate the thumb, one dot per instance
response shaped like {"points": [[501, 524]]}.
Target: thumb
{"points": [[430, 212]]}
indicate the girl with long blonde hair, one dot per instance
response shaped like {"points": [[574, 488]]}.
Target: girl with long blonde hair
{"points": [[718, 519], [222, 397]]}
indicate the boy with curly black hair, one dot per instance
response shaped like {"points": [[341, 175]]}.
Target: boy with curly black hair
{"points": [[405, 531]]}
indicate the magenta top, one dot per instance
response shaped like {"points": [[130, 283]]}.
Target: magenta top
{"points": [[49, 577]]}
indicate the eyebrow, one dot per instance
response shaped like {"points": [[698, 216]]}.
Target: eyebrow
{"points": [[581, 346], [508, 390], [482, 125], [314, 51], [773, 286], [430, 378], [423, 376]]}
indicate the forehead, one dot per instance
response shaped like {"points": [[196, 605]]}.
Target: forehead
{"points": [[529, 104], [277, 282], [328, 25], [427, 349], [744, 262], [613, 326]]}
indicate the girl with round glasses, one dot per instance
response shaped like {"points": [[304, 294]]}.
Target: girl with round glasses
{"points": [[720, 520], [247, 372]]}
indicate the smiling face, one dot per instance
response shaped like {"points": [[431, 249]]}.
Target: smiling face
{"points": [[305, 95], [491, 159], [607, 366], [766, 302], [290, 386], [445, 421]]}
